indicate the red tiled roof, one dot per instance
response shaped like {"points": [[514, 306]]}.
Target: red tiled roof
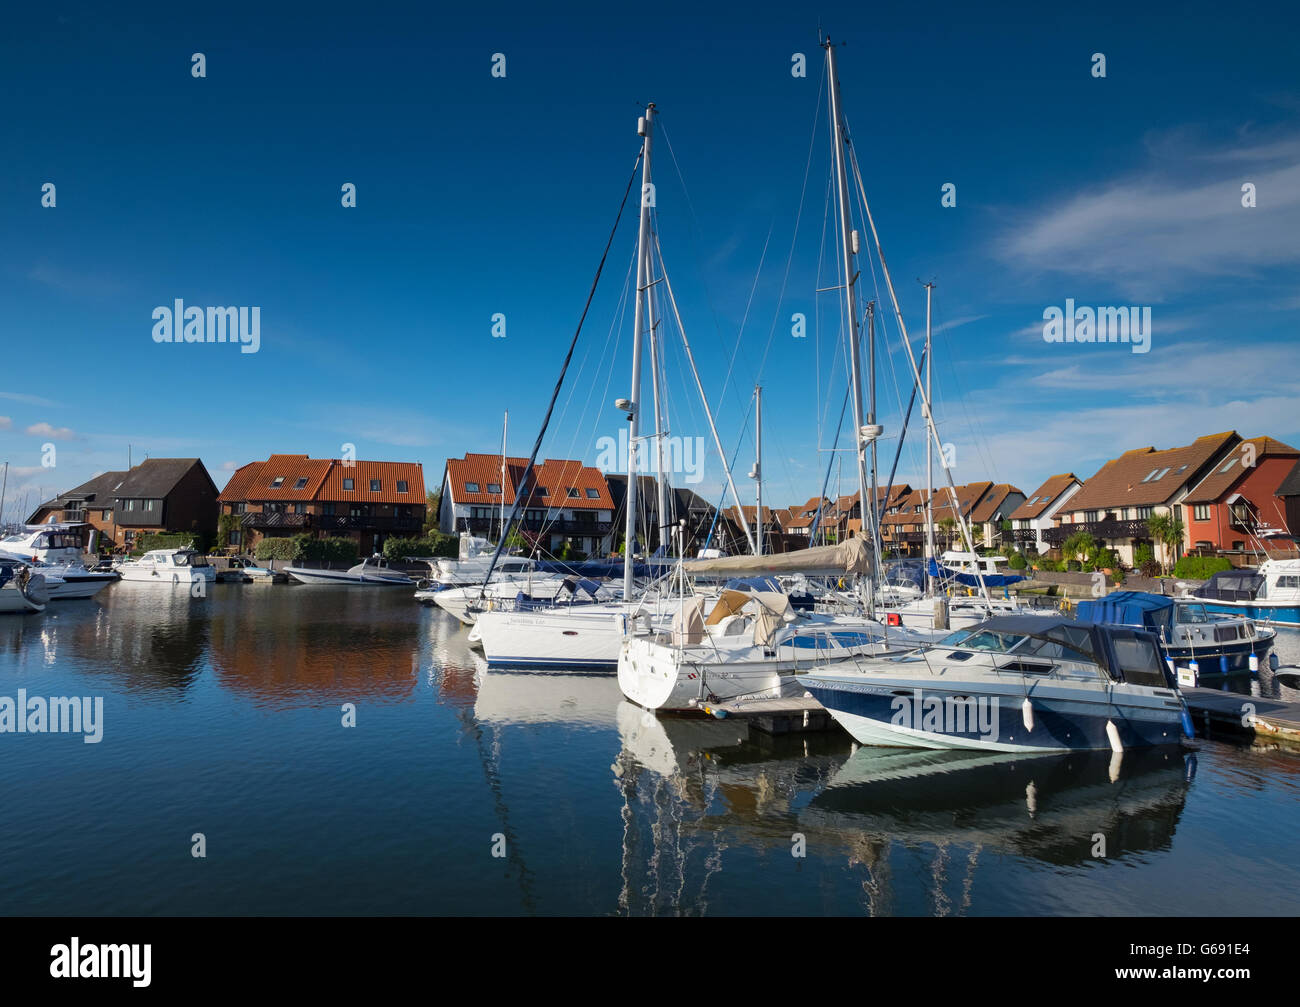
{"points": [[1044, 496], [1219, 482], [322, 479], [557, 477], [1124, 482], [988, 505]]}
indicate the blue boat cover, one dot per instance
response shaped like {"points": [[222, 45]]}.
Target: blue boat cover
{"points": [[970, 580], [1142, 609]]}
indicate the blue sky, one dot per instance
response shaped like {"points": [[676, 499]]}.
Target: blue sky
{"points": [[480, 195]]}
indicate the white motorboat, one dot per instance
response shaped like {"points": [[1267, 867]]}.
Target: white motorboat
{"points": [[467, 603], [475, 562], [68, 582], [1270, 594], [751, 646], [168, 566], [373, 572], [1012, 684], [22, 589]]}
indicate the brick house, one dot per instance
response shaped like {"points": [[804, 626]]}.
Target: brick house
{"points": [[1236, 506], [158, 495], [563, 502], [1114, 505], [903, 526], [287, 495]]}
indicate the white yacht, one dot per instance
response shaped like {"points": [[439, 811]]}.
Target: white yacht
{"points": [[373, 572], [466, 603], [1270, 594], [22, 589], [474, 563], [168, 566], [55, 551]]}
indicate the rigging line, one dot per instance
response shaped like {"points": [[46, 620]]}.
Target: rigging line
{"points": [[803, 192], [529, 474], [735, 352], [717, 511]]}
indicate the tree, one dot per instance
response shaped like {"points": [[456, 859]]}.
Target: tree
{"points": [[947, 525], [1167, 531], [1078, 546], [432, 504]]}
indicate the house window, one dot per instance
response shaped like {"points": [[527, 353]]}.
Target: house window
{"points": [[130, 505], [275, 483], [299, 508], [542, 491], [301, 483], [234, 538], [1201, 512], [494, 487], [1231, 462], [593, 494], [148, 505], [1150, 475], [402, 486], [1143, 513], [1091, 515], [348, 484], [573, 492], [374, 485], [327, 509], [471, 487]]}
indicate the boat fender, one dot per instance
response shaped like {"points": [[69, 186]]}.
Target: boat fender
{"points": [[1112, 734], [1273, 662], [1188, 729], [1194, 667], [1254, 664], [1027, 714]]}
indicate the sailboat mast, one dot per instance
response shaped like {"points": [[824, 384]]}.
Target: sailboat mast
{"points": [[848, 243], [759, 527], [929, 449], [873, 530], [505, 423], [661, 486], [644, 127]]}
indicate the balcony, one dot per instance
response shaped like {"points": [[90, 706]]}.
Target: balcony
{"points": [[1109, 529], [1024, 535], [491, 525]]}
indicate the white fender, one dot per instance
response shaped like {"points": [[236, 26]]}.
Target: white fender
{"points": [[1112, 732], [1254, 663], [1027, 714]]}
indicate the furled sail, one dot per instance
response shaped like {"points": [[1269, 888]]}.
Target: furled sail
{"points": [[850, 557]]}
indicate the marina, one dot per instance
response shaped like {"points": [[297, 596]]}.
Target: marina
{"points": [[645, 487]]}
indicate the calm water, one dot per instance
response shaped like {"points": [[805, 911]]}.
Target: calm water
{"points": [[222, 717]]}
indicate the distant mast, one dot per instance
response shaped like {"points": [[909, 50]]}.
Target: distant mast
{"points": [[757, 474], [645, 127], [505, 425], [929, 447]]}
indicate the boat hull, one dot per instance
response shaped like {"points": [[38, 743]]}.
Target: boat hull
{"points": [[190, 575], [918, 713], [344, 578], [577, 640]]}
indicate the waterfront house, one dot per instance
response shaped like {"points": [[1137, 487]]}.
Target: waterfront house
{"points": [[683, 504], [562, 502], [287, 495], [903, 526], [1236, 505], [1038, 513], [1116, 503], [1288, 492], [158, 495], [993, 510]]}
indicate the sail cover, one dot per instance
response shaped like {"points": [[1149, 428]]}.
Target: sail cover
{"points": [[851, 557]]}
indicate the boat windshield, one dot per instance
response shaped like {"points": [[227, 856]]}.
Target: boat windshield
{"points": [[181, 559], [1193, 614], [983, 639]]}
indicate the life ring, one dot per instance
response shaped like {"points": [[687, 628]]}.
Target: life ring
{"points": [[893, 619]]}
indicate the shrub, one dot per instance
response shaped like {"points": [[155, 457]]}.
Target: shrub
{"points": [[167, 540], [275, 548], [1142, 555], [434, 544], [1017, 561], [335, 549], [1150, 568], [1200, 567]]}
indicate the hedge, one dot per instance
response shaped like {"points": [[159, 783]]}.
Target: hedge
{"points": [[435, 544], [166, 540], [336, 549], [1200, 567], [275, 548]]}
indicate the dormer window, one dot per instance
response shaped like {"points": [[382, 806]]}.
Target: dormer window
{"points": [[348, 484], [374, 485], [494, 487], [471, 487], [593, 494], [276, 482], [301, 483], [402, 486], [573, 493]]}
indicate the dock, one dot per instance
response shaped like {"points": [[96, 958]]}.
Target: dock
{"points": [[1231, 711], [793, 715]]}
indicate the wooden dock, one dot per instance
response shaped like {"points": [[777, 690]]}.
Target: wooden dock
{"points": [[1231, 711], [795, 715]]}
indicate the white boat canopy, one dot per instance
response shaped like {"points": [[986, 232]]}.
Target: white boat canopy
{"points": [[850, 557]]}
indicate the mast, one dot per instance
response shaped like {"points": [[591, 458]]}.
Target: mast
{"points": [[929, 449], [661, 519], [871, 422], [862, 434], [644, 127], [757, 474], [3, 489], [505, 423]]}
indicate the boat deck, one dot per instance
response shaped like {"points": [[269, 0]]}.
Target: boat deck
{"points": [[1231, 711]]}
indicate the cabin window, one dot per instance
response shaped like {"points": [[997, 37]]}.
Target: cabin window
{"points": [[1139, 660], [471, 487], [301, 483], [348, 484], [1201, 512], [404, 487], [277, 482], [374, 485], [1286, 580]]}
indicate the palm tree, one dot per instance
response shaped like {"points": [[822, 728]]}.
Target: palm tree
{"points": [[1166, 531], [946, 525], [1078, 546]]}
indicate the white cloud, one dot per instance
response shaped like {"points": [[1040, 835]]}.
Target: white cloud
{"points": [[54, 433]]}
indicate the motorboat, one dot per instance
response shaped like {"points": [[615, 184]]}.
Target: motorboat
{"points": [[1199, 641], [750, 646], [372, 572], [66, 581], [168, 566], [1012, 684], [475, 563], [466, 603], [1270, 594], [22, 588]]}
